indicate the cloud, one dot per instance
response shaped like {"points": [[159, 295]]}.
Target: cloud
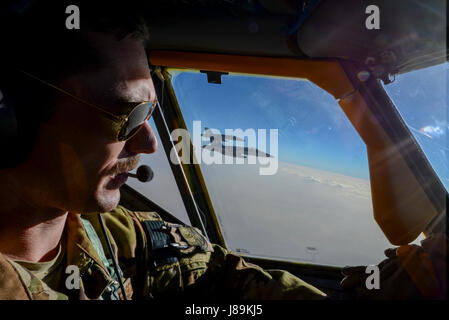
{"points": [[432, 131], [354, 186]]}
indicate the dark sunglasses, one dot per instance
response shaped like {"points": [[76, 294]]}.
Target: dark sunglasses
{"points": [[124, 126]]}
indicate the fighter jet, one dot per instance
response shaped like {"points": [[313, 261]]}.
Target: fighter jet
{"points": [[216, 144], [218, 137]]}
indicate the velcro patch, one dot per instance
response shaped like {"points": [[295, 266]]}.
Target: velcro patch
{"points": [[189, 239]]}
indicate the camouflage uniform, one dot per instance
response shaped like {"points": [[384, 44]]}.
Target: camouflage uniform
{"points": [[176, 261]]}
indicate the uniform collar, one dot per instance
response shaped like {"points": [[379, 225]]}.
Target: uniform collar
{"points": [[81, 253]]}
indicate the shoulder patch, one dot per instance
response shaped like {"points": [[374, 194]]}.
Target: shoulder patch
{"points": [[188, 239]]}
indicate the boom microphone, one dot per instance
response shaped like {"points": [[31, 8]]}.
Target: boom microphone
{"points": [[143, 174]]}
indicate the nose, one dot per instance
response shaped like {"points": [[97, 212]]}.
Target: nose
{"points": [[144, 141]]}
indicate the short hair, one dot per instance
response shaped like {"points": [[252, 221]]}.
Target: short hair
{"points": [[35, 39]]}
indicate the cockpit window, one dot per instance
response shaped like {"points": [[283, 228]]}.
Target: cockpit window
{"points": [[162, 189], [286, 171], [422, 100]]}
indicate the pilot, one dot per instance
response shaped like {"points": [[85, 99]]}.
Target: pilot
{"points": [[74, 110]]}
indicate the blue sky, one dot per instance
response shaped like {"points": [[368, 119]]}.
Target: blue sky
{"points": [[422, 100], [313, 130]]}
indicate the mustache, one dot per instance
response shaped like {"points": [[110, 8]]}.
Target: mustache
{"points": [[125, 165]]}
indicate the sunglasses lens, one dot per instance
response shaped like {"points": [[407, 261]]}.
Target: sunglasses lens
{"points": [[136, 118]]}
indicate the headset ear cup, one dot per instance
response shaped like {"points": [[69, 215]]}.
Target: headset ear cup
{"points": [[8, 120]]}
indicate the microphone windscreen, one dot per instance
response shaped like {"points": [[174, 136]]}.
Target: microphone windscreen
{"points": [[144, 173]]}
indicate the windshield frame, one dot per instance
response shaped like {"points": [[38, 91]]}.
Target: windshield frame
{"points": [[379, 101]]}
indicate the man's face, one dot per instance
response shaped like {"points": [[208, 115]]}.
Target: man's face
{"points": [[76, 165]]}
